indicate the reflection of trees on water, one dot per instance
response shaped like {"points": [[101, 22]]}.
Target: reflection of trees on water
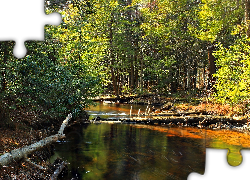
{"points": [[117, 151]]}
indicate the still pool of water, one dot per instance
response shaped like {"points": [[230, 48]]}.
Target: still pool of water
{"points": [[124, 151], [120, 151]]}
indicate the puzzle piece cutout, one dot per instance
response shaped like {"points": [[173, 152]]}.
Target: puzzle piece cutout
{"points": [[233, 141], [217, 166], [27, 19]]}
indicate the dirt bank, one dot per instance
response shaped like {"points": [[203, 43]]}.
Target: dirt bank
{"points": [[25, 128]]}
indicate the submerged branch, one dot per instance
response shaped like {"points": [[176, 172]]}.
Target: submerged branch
{"points": [[58, 171]]}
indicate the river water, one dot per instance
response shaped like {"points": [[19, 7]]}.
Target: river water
{"points": [[116, 110], [126, 151]]}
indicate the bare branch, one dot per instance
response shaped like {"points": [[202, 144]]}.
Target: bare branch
{"points": [[22, 153]]}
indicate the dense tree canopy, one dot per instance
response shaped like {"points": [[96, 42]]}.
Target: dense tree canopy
{"points": [[121, 47]]}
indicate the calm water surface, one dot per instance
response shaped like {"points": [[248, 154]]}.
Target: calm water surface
{"points": [[119, 151], [123, 151]]}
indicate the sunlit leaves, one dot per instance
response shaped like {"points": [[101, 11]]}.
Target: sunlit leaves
{"points": [[218, 18], [233, 80], [133, 45], [58, 75]]}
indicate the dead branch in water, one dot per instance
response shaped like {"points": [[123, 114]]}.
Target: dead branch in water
{"points": [[58, 171], [22, 153]]}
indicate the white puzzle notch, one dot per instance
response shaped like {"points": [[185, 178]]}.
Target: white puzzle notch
{"points": [[27, 19], [217, 166]]}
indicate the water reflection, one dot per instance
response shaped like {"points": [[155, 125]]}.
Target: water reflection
{"points": [[119, 151], [122, 151]]}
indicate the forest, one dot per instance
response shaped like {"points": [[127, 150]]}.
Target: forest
{"points": [[192, 55], [130, 47]]}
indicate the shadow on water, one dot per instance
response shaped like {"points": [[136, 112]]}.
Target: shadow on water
{"points": [[123, 151], [119, 151]]}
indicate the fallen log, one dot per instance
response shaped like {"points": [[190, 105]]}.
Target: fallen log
{"points": [[22, 153], [178, 113]]}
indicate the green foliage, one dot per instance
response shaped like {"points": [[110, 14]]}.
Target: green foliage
{"points": [[217, 19], [128, 46], [58, 89], [233, 75], [57, 76]]}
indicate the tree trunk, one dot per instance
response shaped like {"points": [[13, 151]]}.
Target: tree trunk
{"points": [[212, 67], [188, 76], [194, 76], [136, 78], [247, 16], [141, 73], [118, 83], [5, 58], [173, 84], [114, 81], [132, 73], [136, 62], [112, 58]]}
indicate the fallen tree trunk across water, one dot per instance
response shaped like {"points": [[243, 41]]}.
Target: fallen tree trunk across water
{"points": [[22, 153]]}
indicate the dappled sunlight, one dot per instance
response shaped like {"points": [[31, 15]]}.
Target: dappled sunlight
{"points": [[170, 77]]}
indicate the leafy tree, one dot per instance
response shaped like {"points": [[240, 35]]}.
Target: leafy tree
{"points": [[229, 28], [233, 80], [216, 20], [171, 43], [56, 76]]}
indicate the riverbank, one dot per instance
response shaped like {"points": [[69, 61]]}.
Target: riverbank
{"points": [[181, 101], [27, 128], [181, 112], [201, 121]]}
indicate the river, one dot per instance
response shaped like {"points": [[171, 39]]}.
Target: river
{"points": [[116, 110], [132, 151]]}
